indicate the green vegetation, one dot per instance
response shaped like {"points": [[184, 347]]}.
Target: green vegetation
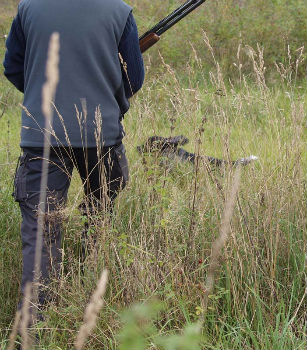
{"points": [[230, 24], [158, 244]]}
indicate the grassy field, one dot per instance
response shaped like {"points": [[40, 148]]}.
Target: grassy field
{"points": [[157, 246]]}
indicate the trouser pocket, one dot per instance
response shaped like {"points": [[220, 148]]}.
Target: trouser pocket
{"points": [[20, 192], [122, 162]]}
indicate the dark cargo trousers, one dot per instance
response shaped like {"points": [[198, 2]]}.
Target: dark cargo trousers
{"points": [[103, 173]]}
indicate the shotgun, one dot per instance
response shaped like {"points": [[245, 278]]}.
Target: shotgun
{"points": [[152, 36]]}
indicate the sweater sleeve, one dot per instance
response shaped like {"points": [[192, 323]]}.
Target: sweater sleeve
{"points": [[15, 54], [129, 49]]}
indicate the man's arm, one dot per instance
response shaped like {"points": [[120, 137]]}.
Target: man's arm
{"points": [[129, 48], [15, 54]]}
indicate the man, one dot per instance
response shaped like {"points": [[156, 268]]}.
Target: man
{"points": [[92, 94]]}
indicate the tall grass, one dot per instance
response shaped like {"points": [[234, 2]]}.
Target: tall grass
{"points": [[273, 24], [158, 243]]}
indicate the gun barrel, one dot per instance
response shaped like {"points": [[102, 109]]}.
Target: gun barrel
{"points": [[169, 21], [179, 17]]}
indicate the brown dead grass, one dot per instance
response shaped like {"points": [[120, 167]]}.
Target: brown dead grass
{"points": [[7, 11]]}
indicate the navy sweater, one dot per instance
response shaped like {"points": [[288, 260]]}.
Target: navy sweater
{"points": [[92, 94], [128, 48]]}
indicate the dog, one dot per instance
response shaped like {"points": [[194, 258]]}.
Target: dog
{"points": [[169, 147]]}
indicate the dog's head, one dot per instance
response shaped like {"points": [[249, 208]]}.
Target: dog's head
{"points": [[161, 144]]}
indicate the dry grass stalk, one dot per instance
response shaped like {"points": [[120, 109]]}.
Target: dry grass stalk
{"points": [[191, 239], [125, 68], [26, 319], [48, 95], [52, 75], [92, 311], [14, 332], [21, 322], [303, 297], [220, 242]]}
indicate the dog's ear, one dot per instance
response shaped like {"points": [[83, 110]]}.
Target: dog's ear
{"points": [[159, 143], [152, 144], [154, 139], [155, 143]]}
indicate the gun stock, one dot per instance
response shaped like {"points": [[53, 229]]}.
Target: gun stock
{"points": [[148, 41]]}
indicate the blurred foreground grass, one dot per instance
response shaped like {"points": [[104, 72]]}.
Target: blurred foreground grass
{"points": [[157, 245]]}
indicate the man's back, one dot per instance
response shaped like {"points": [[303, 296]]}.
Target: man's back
{"points": [[90, 32]]}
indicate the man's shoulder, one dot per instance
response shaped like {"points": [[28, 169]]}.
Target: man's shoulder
{"points": [[24, 4], [119, 3], [114, 3]]}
